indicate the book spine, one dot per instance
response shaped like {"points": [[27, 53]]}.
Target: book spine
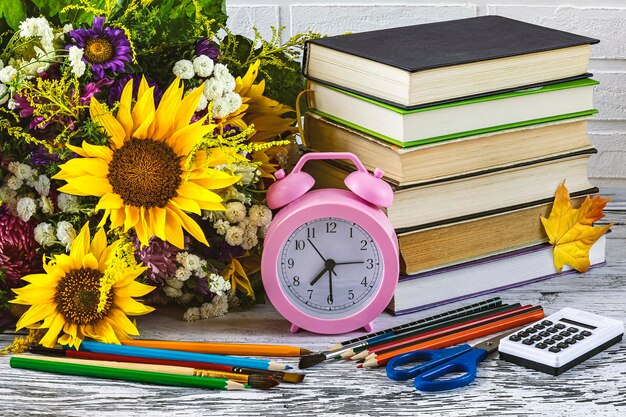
{"points": [[305, 58]]}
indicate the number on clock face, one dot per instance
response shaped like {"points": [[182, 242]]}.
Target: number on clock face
{"points": [[330, 267]]}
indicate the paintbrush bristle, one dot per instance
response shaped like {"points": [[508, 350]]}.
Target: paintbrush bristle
{"points": [[261, 381], [311, 360], [292, 377]]}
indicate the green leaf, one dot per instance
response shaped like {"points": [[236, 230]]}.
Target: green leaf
{"points": [[12, 12]]}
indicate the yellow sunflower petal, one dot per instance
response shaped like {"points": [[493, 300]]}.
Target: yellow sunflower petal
{"points": [[130, 306], [96, 151], [143, 108], [195, 192], [141, 228], [77, 150], [143, 86], [90, 261], [211, 206], [110, 201], [35, 314], [117, 218], [50, 339], [98, 244], [215, 180], [100, 115], [166, 112], [105, 333], [173, 229], [132, 289], [118, 319], [183, 140], [80, 245], [187, 108], [42, 280], [190, 225], [33, 295], [82, 166], [87, 185], [123, 113], [132, 217], [187, 204], [158, 225]]}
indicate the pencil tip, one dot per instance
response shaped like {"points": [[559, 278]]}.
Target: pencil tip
{"points": [[305, 352], [347, 354], [311, 360]]}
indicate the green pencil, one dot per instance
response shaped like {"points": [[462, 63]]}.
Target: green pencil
{"points": [[158, 378]]}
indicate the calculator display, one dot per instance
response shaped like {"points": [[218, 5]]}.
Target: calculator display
{"points": [[577, 323]]}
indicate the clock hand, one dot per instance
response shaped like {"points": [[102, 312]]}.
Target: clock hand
{"points": [[317, 278], [318, 252], [330, 284], [349, 263], [329, 265]]}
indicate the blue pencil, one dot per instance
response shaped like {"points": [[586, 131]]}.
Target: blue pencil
{"points": [[142, 352]]}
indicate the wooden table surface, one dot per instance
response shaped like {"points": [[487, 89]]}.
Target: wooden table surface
{"points": [[594, 388]]}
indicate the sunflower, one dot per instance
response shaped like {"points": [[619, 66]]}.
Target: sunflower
{"points": [[142, 177], [66, 299]]}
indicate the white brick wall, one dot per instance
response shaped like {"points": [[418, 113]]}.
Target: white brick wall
{"points": [[602, 19]]}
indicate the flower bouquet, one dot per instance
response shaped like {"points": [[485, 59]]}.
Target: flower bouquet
{"points": [[137, 139]]}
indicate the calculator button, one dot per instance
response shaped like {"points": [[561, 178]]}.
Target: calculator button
{"points": [[570, 341], [553, 330], [531, 330], [562, 345], [557, 337], [536, 338], [515, 338], [523, 334], [546, 323], [579, 337], [559, 326], [528, 342], [585, 333], [554, 349], [541, 345], [565, 334], [572, 330], [539, 326], [544, 334], [549, 342]]}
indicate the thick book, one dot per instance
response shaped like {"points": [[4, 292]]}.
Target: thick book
{"points": [[442, 159], [465, 195], [456, 119], [413, 65], [449, 244], [484, 276]]}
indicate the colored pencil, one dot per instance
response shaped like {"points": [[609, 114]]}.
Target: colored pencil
{"points": [[359, 342], [36, 363], [142, 352], [242, 349], [264, 382], [359, 353], [289, 377], [411, 339], [460, 337]]}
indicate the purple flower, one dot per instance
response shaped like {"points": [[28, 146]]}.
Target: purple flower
{"points": [[104, 48], [18, 256], [115, 93], [208, 48], [40, 155], [92, 89], [160, 258]]}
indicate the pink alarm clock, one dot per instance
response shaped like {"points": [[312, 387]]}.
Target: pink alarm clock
{"points": [[330, 259]]}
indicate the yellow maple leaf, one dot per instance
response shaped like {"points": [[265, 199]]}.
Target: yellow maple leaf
{"points": [[571, 230]]}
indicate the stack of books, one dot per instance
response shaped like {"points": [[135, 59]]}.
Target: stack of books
{"points": [[476, 122]]}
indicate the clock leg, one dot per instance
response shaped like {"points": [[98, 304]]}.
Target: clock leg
{"points": [[294, 328], [368, 327]]}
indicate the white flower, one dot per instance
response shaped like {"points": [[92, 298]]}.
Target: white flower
{"points": [[221, 73], [8, 196], [217, 307], [66, 233], [186, 297], [203, 66], [262, 231], [232, 193], [193, 262], [221, 226], [235, 212], [192, 314], [234, 236], [77, 64], [42, 186], [249, 240], [7, 74], [248, 173], [21, 171], [44, 234], [213, 89], [174, 283], [67, 203], [12, 104], [1, 64], [234, 101], [201, 271], [26, 207], [183, 69], [260, 215], [4, 94], [221, 108], [14, 183], [67, 27], [172, 292], [38, 26], [202, 103], [182, 274], [218, 285], [181, 257], [46, 205]]}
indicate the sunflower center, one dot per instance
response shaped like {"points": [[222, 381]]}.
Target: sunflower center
{"points": [[78, 296], [98, 50], [145, 173]]}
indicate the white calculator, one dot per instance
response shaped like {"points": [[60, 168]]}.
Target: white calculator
{"points": [[561, 341]]}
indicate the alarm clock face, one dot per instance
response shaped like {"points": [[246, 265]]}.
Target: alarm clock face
{"points": [[330, 267]]}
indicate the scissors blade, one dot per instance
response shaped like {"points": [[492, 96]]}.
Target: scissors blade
{"points": [[491, 345]]}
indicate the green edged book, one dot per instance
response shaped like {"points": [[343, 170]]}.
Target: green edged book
{"points": [[457, 119]]}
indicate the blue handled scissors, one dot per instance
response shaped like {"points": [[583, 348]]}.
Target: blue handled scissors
{"points": [[440, 362]]}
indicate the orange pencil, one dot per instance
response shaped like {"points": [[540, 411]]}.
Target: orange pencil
{"points": [[464, 336], [242, 349]]}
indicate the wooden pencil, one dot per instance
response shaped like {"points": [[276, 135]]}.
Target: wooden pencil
{"points": [[34, 362], [460, 337], [244, 349]]}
